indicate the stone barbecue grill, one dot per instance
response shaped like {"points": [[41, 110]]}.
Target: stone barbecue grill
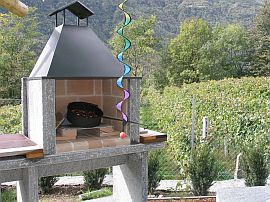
{"points": [[88, 74], [75, 66]]}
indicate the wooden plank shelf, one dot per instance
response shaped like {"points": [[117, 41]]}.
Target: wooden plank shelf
{"points": [[149, 136], [16, 144]]}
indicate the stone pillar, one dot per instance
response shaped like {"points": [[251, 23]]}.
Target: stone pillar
{"points": [[130, 181], [0, 194], [24, 107], [134, 110], [41, 113], [27, 188]]}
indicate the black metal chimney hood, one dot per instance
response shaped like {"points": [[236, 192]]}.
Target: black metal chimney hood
{"points": [[75, 51]]}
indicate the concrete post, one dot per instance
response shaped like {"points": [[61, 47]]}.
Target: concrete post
{"points": [[24, 106], [134, 110], [0, 194], [27, 189], [41, 113], [130, 181]]}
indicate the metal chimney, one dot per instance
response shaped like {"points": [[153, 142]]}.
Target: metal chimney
{"points": [[75, 51]]}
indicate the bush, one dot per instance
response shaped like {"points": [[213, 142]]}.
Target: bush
{"points": [[97, 194], [93, 179], [46, 183], [154, 174], [9, 195], [10, 119], [255, 165], [202, 169]]}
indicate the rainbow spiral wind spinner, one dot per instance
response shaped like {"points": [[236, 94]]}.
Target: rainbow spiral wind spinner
{"points": [[127, 69]]}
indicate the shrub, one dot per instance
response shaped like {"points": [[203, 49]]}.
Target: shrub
{"points": [[46, 183], [202, 169], [255, 164], [93, 179], [97, 194], [154, 174], [9, 195], [10, 119]]}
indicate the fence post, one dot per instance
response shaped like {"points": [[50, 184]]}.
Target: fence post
{"points": [[192, 120], [225, 139], [205, 128], [237, 166]]}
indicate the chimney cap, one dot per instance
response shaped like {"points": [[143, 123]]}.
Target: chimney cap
{"points": [[77, 8]]}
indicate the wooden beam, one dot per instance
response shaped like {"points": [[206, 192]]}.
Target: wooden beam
{"points": [[35, 154], [15, 6]]}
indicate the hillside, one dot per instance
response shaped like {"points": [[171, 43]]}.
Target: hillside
{"points": [[169, 13]]}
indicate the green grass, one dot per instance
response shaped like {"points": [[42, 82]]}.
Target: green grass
{"points": [[97, 194], [9, 195]]}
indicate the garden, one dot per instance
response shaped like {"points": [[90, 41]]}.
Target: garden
{"points": [[238, 114], [205, 86]]}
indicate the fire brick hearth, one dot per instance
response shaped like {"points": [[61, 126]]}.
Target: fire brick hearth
{"points": [[102, 92]]}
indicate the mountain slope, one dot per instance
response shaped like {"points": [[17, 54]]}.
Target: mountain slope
{"points": [[169, 13]]}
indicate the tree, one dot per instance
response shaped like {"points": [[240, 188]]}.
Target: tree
{"points": [[18, 41], [227, 54], [183, 52], [260, 65], [200, 53], [142, 53]]}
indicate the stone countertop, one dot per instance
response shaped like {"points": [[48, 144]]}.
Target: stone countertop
{"points": [[20, 162]]}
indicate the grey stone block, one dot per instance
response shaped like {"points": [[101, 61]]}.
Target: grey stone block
{"points": [[244, 194], [24, 107], [134, 110], [131, 179], [41, 113], [27, 188], [17, 163]]}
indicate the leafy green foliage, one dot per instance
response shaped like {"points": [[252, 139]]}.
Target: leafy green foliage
{"points": [[154, 174], [9, 195], [141, 33], [46, 183], [260, 65], [18, 42], [10, 119], [200, 53], [93, 178], [226, 54], [202, 168], [97, 194], [224, 102], [183, 52], [255, 163]]}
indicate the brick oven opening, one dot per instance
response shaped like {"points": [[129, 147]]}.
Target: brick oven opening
{"points": [[102, 92]]}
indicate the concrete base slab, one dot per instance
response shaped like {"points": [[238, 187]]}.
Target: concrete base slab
{"points": [[70, 181], [247, 194], [104, 199]]}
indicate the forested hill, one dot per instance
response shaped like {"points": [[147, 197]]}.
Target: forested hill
{"points": [[169, 13]]}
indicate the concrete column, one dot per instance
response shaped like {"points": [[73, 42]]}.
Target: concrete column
{"points": [[0, 194], [130, 181], [24, 107], [134, 110], [41, 113], [27, 188]]}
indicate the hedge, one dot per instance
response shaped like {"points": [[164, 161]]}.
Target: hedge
{"points": [[236, 110]]}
